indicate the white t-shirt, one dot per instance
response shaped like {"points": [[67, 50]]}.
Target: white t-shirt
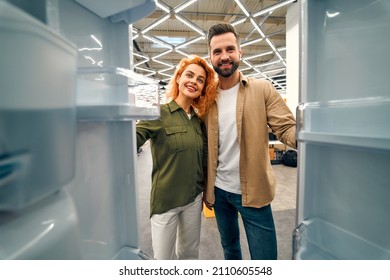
{"points": [[228, 170]]}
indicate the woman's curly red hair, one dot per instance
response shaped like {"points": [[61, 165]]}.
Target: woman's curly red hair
{"points": [[202, 103]]}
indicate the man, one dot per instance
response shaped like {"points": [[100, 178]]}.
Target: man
{"points": [[240, 177]]}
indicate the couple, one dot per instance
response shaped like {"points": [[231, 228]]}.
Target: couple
{"points": [[211, 145]]}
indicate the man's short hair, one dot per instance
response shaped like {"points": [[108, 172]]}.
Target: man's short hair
{"points": [[222, 28]]}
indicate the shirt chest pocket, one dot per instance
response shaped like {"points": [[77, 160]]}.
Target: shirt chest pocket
{"points": [[176, 137]]}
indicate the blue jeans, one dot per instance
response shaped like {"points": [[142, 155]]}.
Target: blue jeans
{"points": [[258, 223]]}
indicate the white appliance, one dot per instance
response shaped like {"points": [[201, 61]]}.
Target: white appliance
{"points": [[68, 103], [343, 131]]}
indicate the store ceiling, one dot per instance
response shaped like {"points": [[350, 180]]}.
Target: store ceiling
{"points": [[178, 28]]}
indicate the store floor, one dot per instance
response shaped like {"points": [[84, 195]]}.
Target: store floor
{"points": [[283, 208]]}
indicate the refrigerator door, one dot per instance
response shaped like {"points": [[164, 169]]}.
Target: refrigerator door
{"points": [[343, 131], [67, 130]]}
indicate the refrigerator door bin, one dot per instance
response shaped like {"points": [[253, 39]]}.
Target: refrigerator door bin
{"points": [[37, 108]]}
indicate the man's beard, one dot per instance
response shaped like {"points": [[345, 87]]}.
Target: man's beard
{"points": [[228, 72]]}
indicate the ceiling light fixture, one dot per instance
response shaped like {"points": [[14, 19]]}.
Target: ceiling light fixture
{"points": [[242, 7], [144, 69], [190, 42], [162, 54], [184, 5], [275, 70], [162, 62], [154, 24], [190, 25], [162, 6], [258, 55], [234, 23], [270, 44], [140, 55], [272, 8], [267, 63], [251, 42], [141, 62], [257, 27], [237, 22], [158, 41], [182, 52]]}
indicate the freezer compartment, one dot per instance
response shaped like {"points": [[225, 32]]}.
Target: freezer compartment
{"points": [[37, 109], [114, 93]]}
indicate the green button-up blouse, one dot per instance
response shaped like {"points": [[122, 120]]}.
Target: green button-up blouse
{"points": [[178, 147]]}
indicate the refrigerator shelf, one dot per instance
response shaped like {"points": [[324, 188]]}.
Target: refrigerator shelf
{"points": [[114, 93], [119, 112], [350, 140]]}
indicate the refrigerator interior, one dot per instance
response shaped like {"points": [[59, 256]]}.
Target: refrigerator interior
{"points": [[69, 101], [343, 131]]}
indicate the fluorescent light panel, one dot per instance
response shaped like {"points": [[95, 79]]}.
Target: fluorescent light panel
{"points": [[161, 54], [190, 25], [190, 42], [272, 8], [234, 23], [162, 6], [154, 24], [242, 7], [157, 41], [247, 43], [184, 5], [257, 27], [163, 63], [182, 52]]}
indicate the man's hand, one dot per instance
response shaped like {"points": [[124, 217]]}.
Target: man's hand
{"points": [[208, 204]]}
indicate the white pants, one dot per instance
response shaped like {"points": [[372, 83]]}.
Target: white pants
{"points": [[176, 233]]}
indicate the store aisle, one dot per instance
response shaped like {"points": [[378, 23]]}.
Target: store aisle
{"points": [[210, 249]]}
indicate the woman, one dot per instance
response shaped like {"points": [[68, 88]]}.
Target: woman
{"points": [[178, 151]]}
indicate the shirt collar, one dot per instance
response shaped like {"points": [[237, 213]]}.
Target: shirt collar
{"points": [[243, 79], [173, 106]]}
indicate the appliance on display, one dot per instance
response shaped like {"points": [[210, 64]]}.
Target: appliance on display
{"points": [[343, 131], [69, 102]]}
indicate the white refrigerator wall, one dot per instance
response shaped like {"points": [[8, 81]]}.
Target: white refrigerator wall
{"points": [[344, 131]]}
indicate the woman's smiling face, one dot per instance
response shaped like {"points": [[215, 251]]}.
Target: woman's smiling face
{"points": [[192, 81]]}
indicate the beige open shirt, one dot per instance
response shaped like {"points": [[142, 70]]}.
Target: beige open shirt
{"points": [[258, 105]]}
